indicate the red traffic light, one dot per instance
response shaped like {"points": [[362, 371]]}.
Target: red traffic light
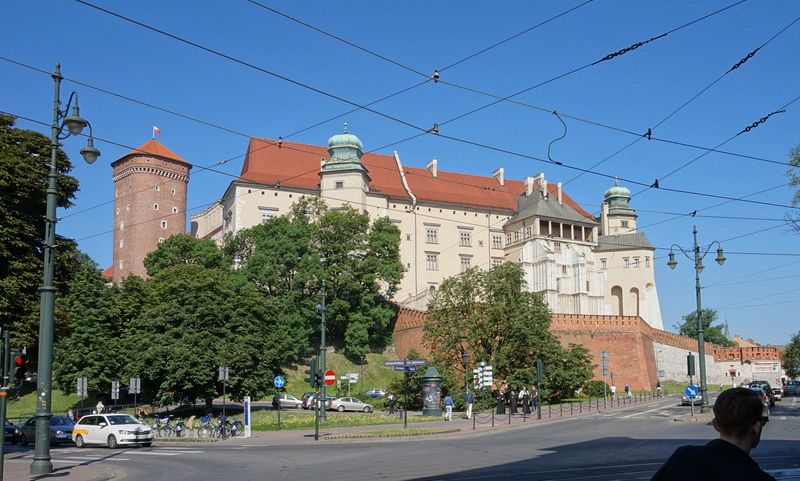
{"points": [[21, 360]]}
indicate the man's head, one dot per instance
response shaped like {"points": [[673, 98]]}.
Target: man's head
{"points": [[739, 418]]}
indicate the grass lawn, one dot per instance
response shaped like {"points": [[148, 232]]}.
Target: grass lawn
{"points": [[25, 405], [268, 420], [388, 433]]}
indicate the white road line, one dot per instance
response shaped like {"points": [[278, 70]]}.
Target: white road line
{"points": [[643, 412], [164, 453], [66, 461], [119, 459]]}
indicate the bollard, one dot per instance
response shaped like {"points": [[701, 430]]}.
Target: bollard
{"points": [[509, 416], [549, 411], [590, 404], [580, 407], [561, 410], [570, 409], [492, 419], [473, 421]]}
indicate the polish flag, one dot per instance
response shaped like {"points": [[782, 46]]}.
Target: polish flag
{"points": [[156, 130]]}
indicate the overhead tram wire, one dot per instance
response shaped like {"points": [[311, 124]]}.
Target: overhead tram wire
{"points": [[650, 130]]}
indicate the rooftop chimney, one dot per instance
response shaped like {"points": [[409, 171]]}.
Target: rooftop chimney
{"points": [[499, 174], [529, 185], [558, 186], [433, 168], [542, 184]]}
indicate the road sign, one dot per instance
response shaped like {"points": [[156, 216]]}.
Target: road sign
{"points": [[223, 373], [280, 381], [135, 385], [353, 376], [83, 387], [405, 368], [406, 362], [330, 377], [692, 391], [114, 390]]}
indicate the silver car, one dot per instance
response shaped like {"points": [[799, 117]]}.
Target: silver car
{"points": [[286, 401], [349, 404]]}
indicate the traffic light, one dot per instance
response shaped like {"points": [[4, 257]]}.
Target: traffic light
{"points": [[317, 378], [311, 372], [19, 367]]}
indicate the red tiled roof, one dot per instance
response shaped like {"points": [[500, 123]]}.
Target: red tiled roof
{"points": [[155, 148], [298, 165], [108, 273]]}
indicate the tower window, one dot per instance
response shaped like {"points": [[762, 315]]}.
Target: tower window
{"points": [[408, 237], [163, 224], [155, 206], [497, 241], [173, 191], [121, 226], [624, 223], [160, 240], [647, 261], [339, 184], [121, 243], [432, 235], [174, 210], [465, 263], [635, 262], [432, 262], [158, 188], [626, 262], [603, 263], [465, 238]]}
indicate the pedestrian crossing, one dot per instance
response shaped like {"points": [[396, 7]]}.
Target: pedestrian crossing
{"points": [[74, 456]]}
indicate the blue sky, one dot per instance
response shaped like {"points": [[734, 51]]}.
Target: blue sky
{"points": [[635, 91]]}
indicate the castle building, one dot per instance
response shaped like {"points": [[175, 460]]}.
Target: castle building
{"points": [[448, 221], [149, 204], [626, 258]]}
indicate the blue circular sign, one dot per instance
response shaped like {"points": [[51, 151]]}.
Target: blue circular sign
{"points": [[692, 390], [280, 381]]}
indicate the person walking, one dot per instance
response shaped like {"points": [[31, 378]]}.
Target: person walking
{"points": [[525, 396], [613, 389], [628, 391], [740, 418], [100, 407], [469, 398], [448, 406], [392, 403], [658, 388], [501, 403], [513, 398]]}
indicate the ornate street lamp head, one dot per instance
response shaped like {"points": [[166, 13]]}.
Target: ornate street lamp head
{"points": [[90, 153], [672, 262], [720, 257], [75, 123]]}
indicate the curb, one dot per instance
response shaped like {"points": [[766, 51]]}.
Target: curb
{"points": [[367, 435]]}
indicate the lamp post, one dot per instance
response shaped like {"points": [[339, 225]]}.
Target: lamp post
{"points": [[74, 126], [698, 268], [322, 309]]}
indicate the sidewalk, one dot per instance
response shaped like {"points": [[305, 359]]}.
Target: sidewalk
{"points": [[18, 469]]}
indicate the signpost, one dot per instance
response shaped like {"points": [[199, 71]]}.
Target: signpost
{"points": [[135, 387], [247, 432], [114, 391], [604, 367], [279, 382], [691, 392], [330, 377], [406, 366], [223, 376]]}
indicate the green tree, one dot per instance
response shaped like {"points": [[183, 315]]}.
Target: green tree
{"points": [[91, 347], [794, 181], [24, 168], [184, 249], [711, 333], [491, 314], [791, 357], [359, 261]]}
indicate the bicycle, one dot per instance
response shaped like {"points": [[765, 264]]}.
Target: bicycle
{"points": [[163, 426]]}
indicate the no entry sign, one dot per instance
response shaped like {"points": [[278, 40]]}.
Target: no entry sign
{"points": [[330, 377]]}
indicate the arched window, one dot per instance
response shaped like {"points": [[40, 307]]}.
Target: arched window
{"points": [[616, 301], [634, 297]]}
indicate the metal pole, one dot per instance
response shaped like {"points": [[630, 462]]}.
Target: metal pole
{"points": [[5, 367], [700, 334], [41, 458], [405, 408], [322, 350]]}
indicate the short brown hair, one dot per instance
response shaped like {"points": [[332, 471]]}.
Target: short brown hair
{"points": [[736, 410]]}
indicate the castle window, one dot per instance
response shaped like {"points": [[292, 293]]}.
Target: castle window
{"points": [[432, 261], [117, 211], [158, 188], [408, 237], [121, 226], [647, 261], [564, 270], [626, 262], [155, 206], [496, 262], [160, 240], [557, 246], [121, 243], [603, 263], [267, 213], [480, 243], [528, 232], [587, 286], [339, 184], [431, 235], [636, 262], [624, 223], [163, 224], [497, 241], [465, 238], [174, 210], [465, 262], [173, 191], [432, 290]]}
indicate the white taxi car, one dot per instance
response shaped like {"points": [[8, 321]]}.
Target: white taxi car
{"points": [[113, 430]]}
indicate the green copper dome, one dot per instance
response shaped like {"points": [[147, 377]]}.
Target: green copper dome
{"points": [[618, 199], [345, 150]]}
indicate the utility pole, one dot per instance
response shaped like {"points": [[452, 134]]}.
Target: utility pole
{"points": [[5, 366], [322, 349]]}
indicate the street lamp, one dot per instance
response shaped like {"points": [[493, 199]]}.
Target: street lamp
{"points": [[74, 125], [698, 268]]}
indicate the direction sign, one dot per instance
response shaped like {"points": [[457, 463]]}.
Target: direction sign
{"points": [[406, 362], [135, 385], [692, 391], [330, 377], [83, 387], [280, 381], [405, 368]]}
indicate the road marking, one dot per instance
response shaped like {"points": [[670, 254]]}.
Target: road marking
{"points": [[643, 412], [164, 453]]}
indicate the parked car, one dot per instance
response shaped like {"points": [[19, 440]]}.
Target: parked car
{"points": [[60, 430], [12, 433], [349, 404], [764, 385], [777, 393], [113, 430], [793, 388], [286, 401], [376, 393], [311, 401], [762, 395], [687, 401]]}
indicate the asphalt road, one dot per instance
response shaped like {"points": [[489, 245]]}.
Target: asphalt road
{"points": [[628, 444]]}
